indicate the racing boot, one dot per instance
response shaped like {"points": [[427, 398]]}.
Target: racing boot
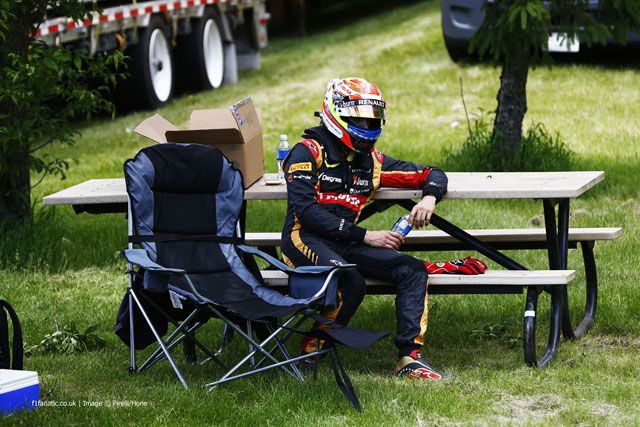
{"points": [[413, 366]]}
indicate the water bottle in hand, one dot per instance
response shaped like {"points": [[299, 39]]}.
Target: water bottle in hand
{"points": [[402, 225]]}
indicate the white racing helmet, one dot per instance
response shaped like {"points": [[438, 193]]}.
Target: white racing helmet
{"points": [[346, 101]]}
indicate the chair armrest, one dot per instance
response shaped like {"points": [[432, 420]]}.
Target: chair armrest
{"points": [[315, 269], [140, 257], [271, 260], [302, 284]]}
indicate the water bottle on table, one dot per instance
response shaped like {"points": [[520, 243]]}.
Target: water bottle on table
{"points": [[402, 225], [281, 153]]}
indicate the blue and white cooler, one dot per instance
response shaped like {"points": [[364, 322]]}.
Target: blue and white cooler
{"points": [[19, 390]]}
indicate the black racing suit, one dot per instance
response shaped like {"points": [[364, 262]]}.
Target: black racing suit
{"points": [[326, 193]]}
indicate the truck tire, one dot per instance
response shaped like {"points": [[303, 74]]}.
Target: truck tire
{"points": [[200, 54], [151, 82]]}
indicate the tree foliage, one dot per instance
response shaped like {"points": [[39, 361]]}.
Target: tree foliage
{"points": [[43, 89], [515, 36], [513, 28]]}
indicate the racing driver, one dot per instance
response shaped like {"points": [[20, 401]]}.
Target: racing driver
{"points": [[331, 174]]}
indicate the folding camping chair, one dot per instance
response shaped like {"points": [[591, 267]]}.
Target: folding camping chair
{"points": [[185, 202]]}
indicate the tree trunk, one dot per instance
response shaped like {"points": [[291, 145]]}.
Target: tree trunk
{"points": [[15, 185], [15, 173], [512, 106]]}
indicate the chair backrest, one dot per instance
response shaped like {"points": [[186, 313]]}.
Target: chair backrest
{"points": [[184, 190], [192, 192]]}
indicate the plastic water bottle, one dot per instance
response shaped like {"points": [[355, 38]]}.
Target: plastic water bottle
{"points": [[402, 225], [283, 150]]}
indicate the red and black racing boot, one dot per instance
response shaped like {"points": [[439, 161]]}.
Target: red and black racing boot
{"points": [[413, 366]]}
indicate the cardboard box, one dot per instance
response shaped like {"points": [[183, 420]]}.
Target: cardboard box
{"points": [[236, 131], [19, 390]]}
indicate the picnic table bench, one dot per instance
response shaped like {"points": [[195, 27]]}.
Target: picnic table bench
{"points": [[553, 188], [492, 281]]}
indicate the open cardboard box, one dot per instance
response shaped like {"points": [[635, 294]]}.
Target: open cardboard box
{"points": [[236, 131]]}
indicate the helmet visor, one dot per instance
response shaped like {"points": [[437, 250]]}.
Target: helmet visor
{"points": [[366, 108]]}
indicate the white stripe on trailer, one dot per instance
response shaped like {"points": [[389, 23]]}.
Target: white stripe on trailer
{"points": [[56, 25]]}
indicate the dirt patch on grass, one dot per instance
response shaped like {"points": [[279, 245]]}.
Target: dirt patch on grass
{"points": [[603, 410], [521, 410], [610, 343]]}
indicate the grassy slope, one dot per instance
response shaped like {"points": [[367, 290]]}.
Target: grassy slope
{"points": [[593, 381]]}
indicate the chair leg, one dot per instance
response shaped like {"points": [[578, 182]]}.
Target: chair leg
{"points": [[158, 354], [255, 345], [282, 340], [159, 339], [187, 333], [227, 336], [228, 378], [183, 328], [285, 353], [267, 354], [132, 340], [252, 362]]}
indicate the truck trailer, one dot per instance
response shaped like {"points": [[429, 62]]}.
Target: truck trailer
{"points": [[186, 44]]}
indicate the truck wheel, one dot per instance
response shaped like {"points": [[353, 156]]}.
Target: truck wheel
{"points": [[151, 66], [201, 53]]}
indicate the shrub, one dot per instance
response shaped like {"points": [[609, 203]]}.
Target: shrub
{"points": [[66, 340], [540, 151]]}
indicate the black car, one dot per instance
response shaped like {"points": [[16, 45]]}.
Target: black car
{"points": [[462, 18]]}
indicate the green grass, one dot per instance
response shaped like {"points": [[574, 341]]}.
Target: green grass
{"points": [[67, 264]]}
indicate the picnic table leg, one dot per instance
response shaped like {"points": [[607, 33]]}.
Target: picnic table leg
{"points": [[592, 289], [554, 327], [553, 248], [529, 334], [557, 247], [563, 244], [558, 260]]}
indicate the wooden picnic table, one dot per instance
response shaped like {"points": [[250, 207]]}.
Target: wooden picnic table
{"points": [[462, 185], [553, 188]]}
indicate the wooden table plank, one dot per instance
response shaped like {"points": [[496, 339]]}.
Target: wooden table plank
{"points": [[462, 185], [490, 277], [90, 192], [477, 185], [485, 235]]}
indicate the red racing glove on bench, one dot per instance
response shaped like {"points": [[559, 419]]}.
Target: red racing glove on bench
{"points": [[466, 265]]}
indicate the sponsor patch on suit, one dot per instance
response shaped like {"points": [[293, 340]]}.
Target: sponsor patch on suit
{"points": [[306, 166]]}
